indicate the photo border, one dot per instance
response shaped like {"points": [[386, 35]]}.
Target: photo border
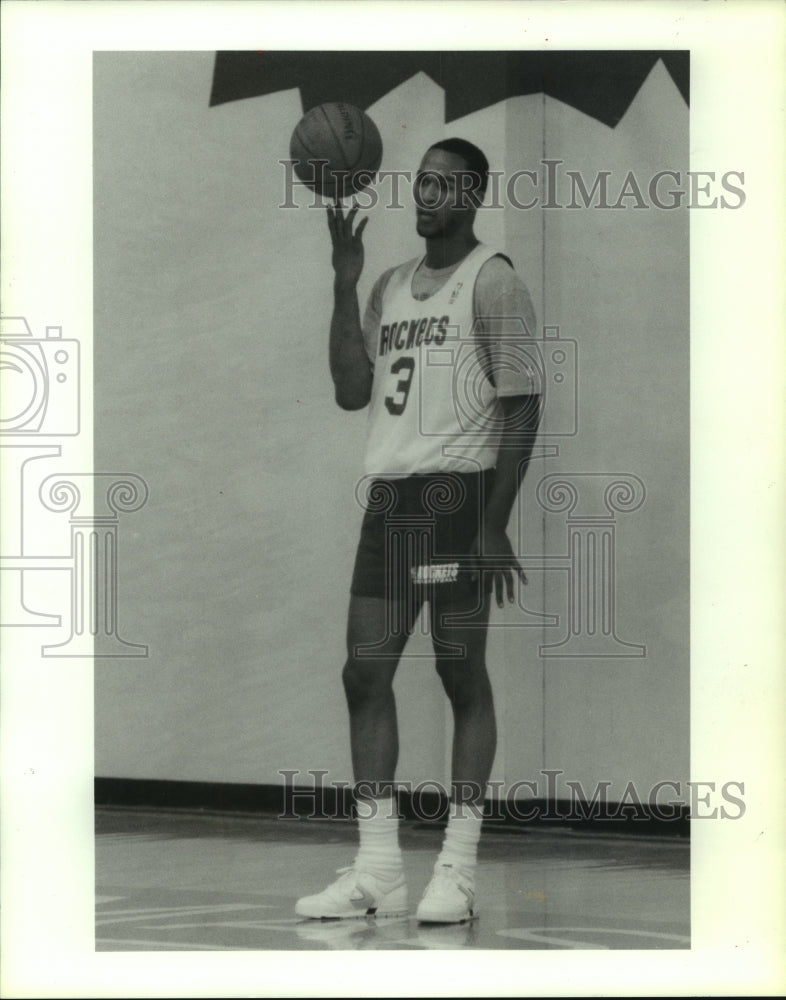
{"points": [[737, 263]]}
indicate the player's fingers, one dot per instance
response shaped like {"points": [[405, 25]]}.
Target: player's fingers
{"points": [[522, 575], [509, 584], [361, 226], [347, 222], [498, 588], [351, 216], [472, 561], [338, 216], [331, 221]]}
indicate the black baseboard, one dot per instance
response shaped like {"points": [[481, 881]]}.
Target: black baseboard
{"points": [[294, 803]]}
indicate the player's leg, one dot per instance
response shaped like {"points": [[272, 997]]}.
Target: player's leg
{"points": [[459, 624], [450, 897], [467, 685], [377, 632]]}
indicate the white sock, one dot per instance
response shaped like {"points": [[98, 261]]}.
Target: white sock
{"points": [[460, 846], [379, 853]]}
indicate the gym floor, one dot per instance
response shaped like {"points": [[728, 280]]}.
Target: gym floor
{"points": [[179, 881]]}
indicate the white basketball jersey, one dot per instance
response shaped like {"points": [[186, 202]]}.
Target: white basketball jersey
{"points": [[433, 407]]}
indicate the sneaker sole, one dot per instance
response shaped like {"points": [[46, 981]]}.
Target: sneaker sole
{"points": [[442, 919], [355, 915]]}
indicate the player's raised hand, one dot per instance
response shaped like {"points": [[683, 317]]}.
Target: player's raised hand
{"points": [[347, 245]]}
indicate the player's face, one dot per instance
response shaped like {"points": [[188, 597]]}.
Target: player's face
{"points": [[442, 198]]}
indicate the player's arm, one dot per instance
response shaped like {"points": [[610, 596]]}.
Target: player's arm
{"points": [[349, 363], [503, 299], [520, 426]]}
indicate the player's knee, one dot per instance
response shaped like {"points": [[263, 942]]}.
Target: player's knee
{"points": [[364, 681], [465, 684]]}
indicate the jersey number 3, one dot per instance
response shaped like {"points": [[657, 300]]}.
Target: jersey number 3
{"points": [[397, 403]]}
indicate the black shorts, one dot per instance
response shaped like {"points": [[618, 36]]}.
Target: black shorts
{"points": [[416, 536]]}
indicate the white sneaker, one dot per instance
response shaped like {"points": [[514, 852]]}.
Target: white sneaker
{"points": [[449, 897], [357, 894]]}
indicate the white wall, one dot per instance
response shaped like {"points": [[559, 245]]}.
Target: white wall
{"points": [[212, 307], [617, 282]]}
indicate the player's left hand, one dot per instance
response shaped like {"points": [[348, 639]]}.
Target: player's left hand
{"points": [[492, 555]]}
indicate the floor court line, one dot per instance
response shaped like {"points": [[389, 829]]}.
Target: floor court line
{"points": [[159, 945], [125, 916], [256, 925], [527, 934]]}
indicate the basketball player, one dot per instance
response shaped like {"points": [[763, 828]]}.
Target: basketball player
{"points": [[435, 527]]}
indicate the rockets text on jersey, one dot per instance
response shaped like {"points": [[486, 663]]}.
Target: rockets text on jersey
{"points": [[425, 353]]}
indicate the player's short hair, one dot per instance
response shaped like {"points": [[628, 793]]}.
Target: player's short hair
{"points": [[475, 159]]}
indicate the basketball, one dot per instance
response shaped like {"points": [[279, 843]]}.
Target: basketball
{"points": [[336, 149]]}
